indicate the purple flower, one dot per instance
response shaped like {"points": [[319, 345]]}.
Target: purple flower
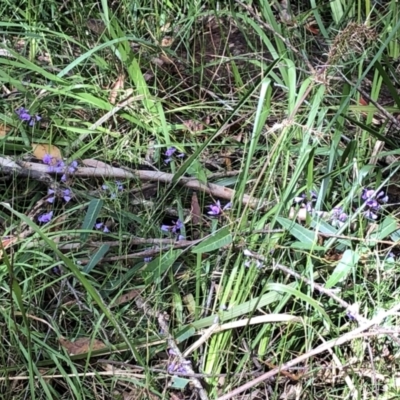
{"points": [[100, 225], [63, 178], [165, 228], [58, 167], [47, 158], [181, 237], [170, 151], [34, 119], [174, 228], [44, 218], [23, 115], [339, 215], [216, 209], [72, 167], [147, 259], [104, 186], [51, 199], [119, 185], [66, 194], [370, 214], [307, 202], [373, 202]]}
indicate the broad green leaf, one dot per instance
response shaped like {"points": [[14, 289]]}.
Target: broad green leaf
{"points": [[96, 258], [346, 264], [88, 98], [93, 211], [156, 268], [179, 383], [385, 229], [306, 246], [185, 334], [219, 239], [299, 232]]}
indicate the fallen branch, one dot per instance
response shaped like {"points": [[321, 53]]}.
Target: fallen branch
{"points": [[105, 171]]}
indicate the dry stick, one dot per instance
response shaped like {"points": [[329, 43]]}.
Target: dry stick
{"points": [[320, 349], [119, 173], [171, 344]]}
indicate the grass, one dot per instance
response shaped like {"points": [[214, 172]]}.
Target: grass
{"points": [[286, 114]]}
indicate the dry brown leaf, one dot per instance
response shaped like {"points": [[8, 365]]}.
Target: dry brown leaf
{"points": [[40, 150], [118, 85], [7, 241], [166, 41], [193, 126], [81, 345], [4, 129], [124, 298], [195, 210]]}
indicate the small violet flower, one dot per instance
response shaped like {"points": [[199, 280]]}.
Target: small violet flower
{"points": [[66, 194], [47, 158], [101, 226], [373, 202], [305, 202], [174, 228], [147, 259], [170, 152], [338, 217], [23, 115], [119, 185], [216, 209], [44, 218], [51, 199]]}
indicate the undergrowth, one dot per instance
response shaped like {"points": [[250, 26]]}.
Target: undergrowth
{"points": [[199, 200]]}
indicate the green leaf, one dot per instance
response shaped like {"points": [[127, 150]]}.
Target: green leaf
{"points": [[306, 246], [385, 229], [299, 295], [185, 334], [156, 268], [179, 383], [217, 240], [299, 232], [93, 211], [91, 291], [346, 264], [96, 258]]}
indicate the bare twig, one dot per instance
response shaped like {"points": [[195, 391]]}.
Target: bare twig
{"points": [[172, 345], [119, 173], [355, 333]]}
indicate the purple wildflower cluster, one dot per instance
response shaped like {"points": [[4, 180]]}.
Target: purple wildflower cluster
{"points": [[338, 217], [58, 166], [175, 366], [373, 202], [174, 228], [113, 194], [23, 115], [65, 194], [170, 152]]}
